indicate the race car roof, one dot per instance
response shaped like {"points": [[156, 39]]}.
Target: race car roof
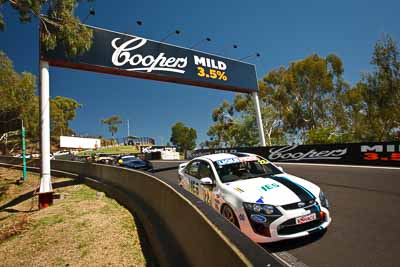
{"points": [[221, 156]]}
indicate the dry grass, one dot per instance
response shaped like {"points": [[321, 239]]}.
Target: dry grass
{"points": [[83, 229], [8, 187], [112, 150]]}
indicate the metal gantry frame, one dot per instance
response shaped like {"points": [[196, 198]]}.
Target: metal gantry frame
{"points": [[259, 118], [45, 182]]}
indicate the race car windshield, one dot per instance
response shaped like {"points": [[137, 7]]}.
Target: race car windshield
{"points": [[245, 170]]}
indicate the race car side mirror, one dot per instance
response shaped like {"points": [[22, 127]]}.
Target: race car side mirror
{"points": [[206, 181], [280, 168]]}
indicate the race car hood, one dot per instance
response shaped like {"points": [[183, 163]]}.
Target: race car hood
{"points": [[277, 190]]}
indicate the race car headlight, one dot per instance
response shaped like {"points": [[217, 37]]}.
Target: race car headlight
{"points": [[261, 208], [268, 209], [324, 200]]}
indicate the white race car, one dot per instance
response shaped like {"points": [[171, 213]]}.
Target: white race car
{"points": [[266, 203]]}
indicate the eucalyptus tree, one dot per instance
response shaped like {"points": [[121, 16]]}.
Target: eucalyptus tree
{"points": [[66, 27], [112, 124]]}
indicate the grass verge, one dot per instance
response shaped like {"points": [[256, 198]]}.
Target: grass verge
{"points": [[82, 228], [111, 150]]}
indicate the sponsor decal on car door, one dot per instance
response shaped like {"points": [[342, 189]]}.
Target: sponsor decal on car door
{"points": [[207, 191], [191, 173]]}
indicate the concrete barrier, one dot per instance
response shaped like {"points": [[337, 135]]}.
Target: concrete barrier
{"points": [[182, 230]]}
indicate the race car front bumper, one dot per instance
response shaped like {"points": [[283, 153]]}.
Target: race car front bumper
{"points": [[285, 226]]}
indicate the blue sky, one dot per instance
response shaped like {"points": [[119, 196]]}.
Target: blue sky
{"points": [[281, 31]]}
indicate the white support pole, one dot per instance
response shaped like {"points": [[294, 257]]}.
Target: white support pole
{"points": [[129, 132], [45, 183], [259, 119]]}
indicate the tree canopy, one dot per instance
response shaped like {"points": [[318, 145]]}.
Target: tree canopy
{"points": [[112, 123], [63, 110], [310, 102], [380, 91], [18, 101], [67, 29], [183, 137]]}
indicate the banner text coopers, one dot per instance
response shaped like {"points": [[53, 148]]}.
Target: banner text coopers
{"points": [[370, 153], [128, 55]]}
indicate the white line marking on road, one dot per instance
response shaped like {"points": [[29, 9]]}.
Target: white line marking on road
{"points": [[170, 161], [288, 259]]}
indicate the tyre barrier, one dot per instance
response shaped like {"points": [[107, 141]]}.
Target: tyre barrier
{"points": [[180, 229]]}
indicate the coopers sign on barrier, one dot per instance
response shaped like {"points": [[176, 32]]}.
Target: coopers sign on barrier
{"points": [[382, 153], [135, 56]]}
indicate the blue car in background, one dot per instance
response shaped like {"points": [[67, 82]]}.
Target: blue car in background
{"points": [[135, 163]]}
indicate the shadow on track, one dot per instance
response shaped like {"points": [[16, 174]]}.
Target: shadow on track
{"points": [[293, 243], [164, 169]]}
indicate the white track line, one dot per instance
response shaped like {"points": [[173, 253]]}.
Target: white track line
{"points": [[170, 161], [288, 259]]}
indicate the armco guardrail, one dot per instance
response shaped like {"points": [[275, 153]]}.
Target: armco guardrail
{"points": [[182, 231], [373, 153]]}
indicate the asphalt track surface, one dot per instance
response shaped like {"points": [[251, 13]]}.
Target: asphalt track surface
{"points": [[365, 207]]}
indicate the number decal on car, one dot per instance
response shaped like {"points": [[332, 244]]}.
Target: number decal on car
{"points": [[207, 197], [194, 187]]}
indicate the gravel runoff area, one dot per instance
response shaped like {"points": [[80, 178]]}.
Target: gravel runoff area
{"points": [[82, 228]]}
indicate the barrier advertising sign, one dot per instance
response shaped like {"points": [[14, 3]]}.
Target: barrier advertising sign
{"points": [[129, 55], [379, 153]]}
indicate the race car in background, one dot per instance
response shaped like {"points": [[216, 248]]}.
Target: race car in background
{"points": [[134, 163], [257, 196]]}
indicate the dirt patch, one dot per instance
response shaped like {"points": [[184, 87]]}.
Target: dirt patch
{"points": [[83, 228]]}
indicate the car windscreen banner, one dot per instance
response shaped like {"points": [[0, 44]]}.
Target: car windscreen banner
{"points": [[129, 55], [379, 153]]}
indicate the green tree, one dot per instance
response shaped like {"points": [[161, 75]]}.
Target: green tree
{"points": [[67, 29], [299, 103], [17, 97], [62, 111], [112, 123], [306, 95], [221, 132], [249, 127], [241, 129], [183, 137], [356, 125], [18, 101], [323, 135], [16, 90], [381, 92], [309, 102]]}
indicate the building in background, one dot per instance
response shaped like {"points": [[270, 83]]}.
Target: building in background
{"points": [[137, 141], [71, 142]]}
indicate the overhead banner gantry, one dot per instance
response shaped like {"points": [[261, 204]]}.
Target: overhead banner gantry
{"points": [[129, 55]]}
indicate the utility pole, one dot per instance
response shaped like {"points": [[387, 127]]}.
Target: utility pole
{"points": [[129, 134]]}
